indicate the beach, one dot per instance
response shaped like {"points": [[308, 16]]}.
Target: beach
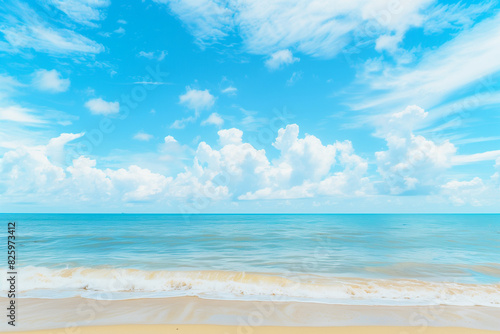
{"points": [[214, 329], [241, 316], [257, 273]]}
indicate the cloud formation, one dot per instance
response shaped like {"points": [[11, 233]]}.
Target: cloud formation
{"points": [[234, 170], [197, 99], [412, 163], [50, 81], [321, 28], [213, 119], [83, 11], [99, 106], [142, 136], [280, 59], [25, 29]]}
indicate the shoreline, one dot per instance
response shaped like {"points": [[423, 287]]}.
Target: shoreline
{"points": [[47, 314], [221, 329]]}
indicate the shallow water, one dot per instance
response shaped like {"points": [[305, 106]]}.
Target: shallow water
{"points": [[370, 259]]}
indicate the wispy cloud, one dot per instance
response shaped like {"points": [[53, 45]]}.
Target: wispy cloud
{"points": [[19, 114], [230, 90], [320, 28], [465, 59], [142, 136], [23, 28], [157, 55], [83, 11]]}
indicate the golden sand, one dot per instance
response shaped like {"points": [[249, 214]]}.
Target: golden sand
{"points": [[216, 329]]}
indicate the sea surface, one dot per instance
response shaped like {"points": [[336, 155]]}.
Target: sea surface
{"points": [[335, 259]]}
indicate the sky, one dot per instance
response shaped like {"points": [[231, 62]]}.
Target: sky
{"points": [[250, 106]]}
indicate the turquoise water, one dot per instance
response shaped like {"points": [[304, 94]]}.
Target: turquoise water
{"points": [[458, 249]]}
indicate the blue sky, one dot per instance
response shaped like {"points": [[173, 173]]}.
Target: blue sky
{"points": [[249, 106]]}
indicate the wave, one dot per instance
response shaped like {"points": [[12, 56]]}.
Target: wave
{"points": [[105, 283]]}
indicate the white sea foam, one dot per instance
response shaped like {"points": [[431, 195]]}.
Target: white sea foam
{"points": [[130, 283]]}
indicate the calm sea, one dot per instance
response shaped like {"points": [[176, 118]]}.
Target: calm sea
{"points": [[351, 259]]}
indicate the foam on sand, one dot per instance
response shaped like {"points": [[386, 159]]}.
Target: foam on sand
{"points": [[106, 283]]}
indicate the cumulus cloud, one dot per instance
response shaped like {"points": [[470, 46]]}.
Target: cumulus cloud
{"points": [[55, 148], [169, 139], [197, 99], [50, 81], [307, 168], [235, 170], [100, 107], [280, 59], [465, 192], [213, 119], [412, 162], [32, 172]]}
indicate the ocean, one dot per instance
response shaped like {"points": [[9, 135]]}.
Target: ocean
{"points": [[335, 259]]}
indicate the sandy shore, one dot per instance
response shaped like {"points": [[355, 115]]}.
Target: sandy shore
{"points": [[83, 315], [218, 329]]}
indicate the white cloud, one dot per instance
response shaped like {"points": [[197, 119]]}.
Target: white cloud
{"points": [[50, 81], [231, 136], [307, 158], [230, 90], [19, 114], [412, 162], [158, 55], [181, 123], [435, 76], [296, 76], [197, 99], [169, 139], [471, 158], [100, 107], [119, 31], [29, 174], [307, 168], [55, 148], [280, 59], [142, 136], [121, 22], [321, 28], [235, 170], [8, 85], [27, 30], [213, 119], [82, 11], [464, 192], [207, 20]]}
